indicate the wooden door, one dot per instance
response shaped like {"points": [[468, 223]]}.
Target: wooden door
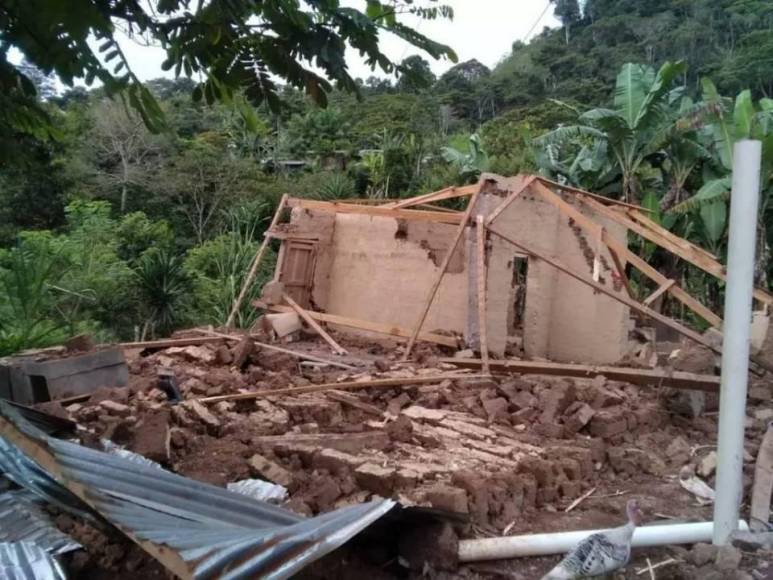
{"points": [[297, 270]]}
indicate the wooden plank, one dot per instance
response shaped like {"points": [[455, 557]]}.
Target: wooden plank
{"points": [[599, 198], [168, 343], [390, 329], [638, 217], [510, 198], [342, 386], [688, 252], [662, 289], [656, 378], [299, 355], [337, 348], [622, 250], [378, 211], [763, 484], [255, 263], [443, 267], [480, 231], [446, 193]]}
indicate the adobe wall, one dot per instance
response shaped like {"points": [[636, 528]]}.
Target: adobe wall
{"points": [[564, 319], [382, 270]]}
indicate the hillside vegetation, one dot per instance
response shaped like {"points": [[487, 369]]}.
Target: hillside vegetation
{"points": [[110, 228]]}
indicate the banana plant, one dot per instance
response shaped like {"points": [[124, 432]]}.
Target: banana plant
{"points": [[638, 127], [468, 164], [722, 122]]}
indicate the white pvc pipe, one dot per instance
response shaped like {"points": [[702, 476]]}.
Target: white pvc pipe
{"points": [[562, 542], [736, 330]]}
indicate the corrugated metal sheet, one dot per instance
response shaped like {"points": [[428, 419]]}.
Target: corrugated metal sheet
{"points": [[27, 561], [21, 520], [213, 532]]}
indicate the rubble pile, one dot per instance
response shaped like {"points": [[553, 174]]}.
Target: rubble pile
{"points": [[504, 451]]}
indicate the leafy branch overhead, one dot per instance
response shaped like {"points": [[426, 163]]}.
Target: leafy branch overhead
{"points": [[232, 47]]}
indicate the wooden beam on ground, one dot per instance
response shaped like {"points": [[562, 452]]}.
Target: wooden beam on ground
{"points": [[299, 355], [378, 211], [763, 484], [662, 289], [653, 377], [380, 328], [443, 267], [343, 386], [170, 342], [354, 402], [510, 198], [480, 232], [623, 252], [631, 303], [337, 348], [446, 193], [255, 263]]}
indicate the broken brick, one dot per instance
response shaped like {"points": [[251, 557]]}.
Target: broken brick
{"points": [[422, 414], [377, 479], [336, 461], [151, 436], [242, 351], [580, 417], [449, 498], [608, 423], [270, 471], [203, 414], [496, 409]]}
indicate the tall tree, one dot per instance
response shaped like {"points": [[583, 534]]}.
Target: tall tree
{"points": [[568, 12]]}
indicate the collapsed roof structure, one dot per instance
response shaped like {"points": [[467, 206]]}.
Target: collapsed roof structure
{"points": [[528, 261]]}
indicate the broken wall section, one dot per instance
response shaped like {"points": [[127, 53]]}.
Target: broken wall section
{"points": [[564, 319]]}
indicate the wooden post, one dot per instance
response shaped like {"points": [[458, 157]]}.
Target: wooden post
{"points": [[441, 273], [481, 275], [337, 348], [255, 263]]}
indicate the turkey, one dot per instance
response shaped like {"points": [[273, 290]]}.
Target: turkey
{"points": [[599, 553]]}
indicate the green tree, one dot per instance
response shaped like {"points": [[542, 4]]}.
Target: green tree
{"points": [[239, 47], [417, 75]]}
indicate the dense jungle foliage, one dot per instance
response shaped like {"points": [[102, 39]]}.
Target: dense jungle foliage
{"points": [[130, 221]]}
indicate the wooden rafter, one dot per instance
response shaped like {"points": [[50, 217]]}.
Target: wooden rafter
{"points": [[662, 289], [378, 211], [621, 249], [256, 262], [447, 193], [510, 198], [442, 271], [641, 225]]}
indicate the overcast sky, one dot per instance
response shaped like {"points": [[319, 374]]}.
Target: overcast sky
{"points": [[481, 29]]}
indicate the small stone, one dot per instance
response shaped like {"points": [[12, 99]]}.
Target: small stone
{"points": [[242, 351], [708, 465], [678, 451], [203, 414], [117, 409], [381, 365], [496, 410], [728, 558], [270, 471], [702, 554]]}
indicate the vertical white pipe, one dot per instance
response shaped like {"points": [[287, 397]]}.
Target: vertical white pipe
{"points": [[737, 328]]}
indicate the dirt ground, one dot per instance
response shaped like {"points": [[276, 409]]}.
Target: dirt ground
{"points": [[512, 452]]}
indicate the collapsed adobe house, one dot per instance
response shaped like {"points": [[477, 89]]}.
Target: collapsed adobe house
{"points": [[553, 269]]}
